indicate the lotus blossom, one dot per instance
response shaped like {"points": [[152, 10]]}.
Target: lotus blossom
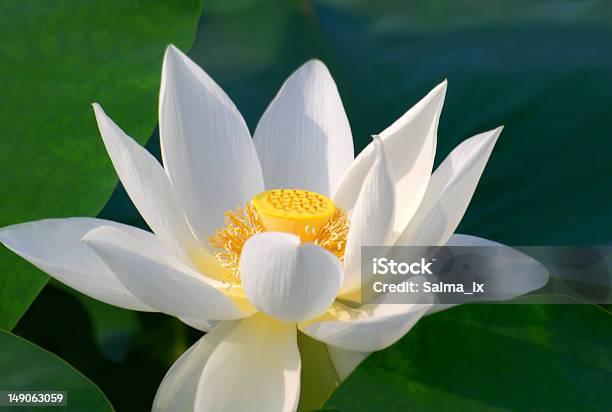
{"points": [[256, 240]]}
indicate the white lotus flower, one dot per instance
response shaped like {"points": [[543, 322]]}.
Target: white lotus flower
{"points": [[287, 256]]}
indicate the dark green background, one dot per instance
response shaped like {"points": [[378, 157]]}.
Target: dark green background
{"points": [[542, 69]]}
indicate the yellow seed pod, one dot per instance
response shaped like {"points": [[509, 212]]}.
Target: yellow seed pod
{"points": [[300, 212]]}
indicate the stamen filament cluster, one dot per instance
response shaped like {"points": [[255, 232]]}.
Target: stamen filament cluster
{"points": [[247, 221]]}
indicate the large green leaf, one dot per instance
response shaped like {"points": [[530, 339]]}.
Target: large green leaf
{"points": [[491, 357], [26, 367], [56, 58]]}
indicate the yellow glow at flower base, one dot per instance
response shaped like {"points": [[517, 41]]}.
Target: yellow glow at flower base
{"points": [[294, 211], [309, 215]]}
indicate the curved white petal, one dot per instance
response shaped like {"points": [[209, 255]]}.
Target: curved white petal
{"points": [[204, 325], [255, 368], [54, 246], [159, 278], [206, 146], [368, 328], [345, 361], [449, 192], [372, 218], [410, 143], [304, 139], [178, 389], [510, 272], [147, 184], [287, 280]]}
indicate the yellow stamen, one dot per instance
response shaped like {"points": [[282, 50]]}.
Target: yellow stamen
{"points": [[309, 215], [239, 227]]}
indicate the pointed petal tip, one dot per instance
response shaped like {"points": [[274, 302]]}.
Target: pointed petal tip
{"points": [[440, 90], [495, 133], [172, 49], [378, 146], [97, 109], [173, 55], [87, 237], [315, 63], [170, 54], [102, 120], [91, 237], [379, 150], [484, 139], [489, 136], [314, 66]]}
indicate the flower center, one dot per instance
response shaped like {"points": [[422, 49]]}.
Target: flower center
{"points": [[294, 211], [309, 215]]}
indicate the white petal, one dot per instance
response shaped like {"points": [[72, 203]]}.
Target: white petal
{"points": [[410, 144], [54, 246], [372, 218], [178, 390], [304, 139], [345, 361], [510, 271], [255, 368], [287, 280], [204, 325], [157, 277], [147, 184], [371, 327], [449, 192], [206, 146]]}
